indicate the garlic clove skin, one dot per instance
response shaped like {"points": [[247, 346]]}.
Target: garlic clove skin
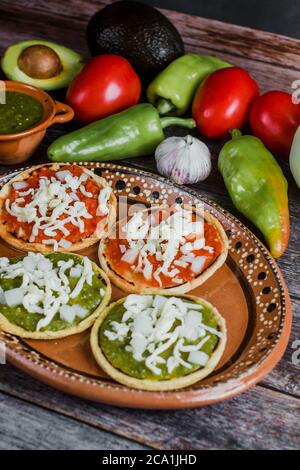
{"points": [[185, 160]]}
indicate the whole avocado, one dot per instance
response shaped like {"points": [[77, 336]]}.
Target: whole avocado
{"points": [[138, 32]]}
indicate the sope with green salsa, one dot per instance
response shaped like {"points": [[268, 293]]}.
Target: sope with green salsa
{"points": [[19, 112], [53, 292], [159, 337]]}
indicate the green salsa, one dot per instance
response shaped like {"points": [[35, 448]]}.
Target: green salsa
{"points": [[19, 112], [123, 360], [89, 298]]}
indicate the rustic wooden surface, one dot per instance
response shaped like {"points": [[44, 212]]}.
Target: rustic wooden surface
{"points": [[265, 417]]}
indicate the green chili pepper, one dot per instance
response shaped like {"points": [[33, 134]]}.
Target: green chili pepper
{"points": [[134, 132], [257, 188], [172, 91]]}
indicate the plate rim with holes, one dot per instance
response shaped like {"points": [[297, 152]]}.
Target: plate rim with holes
{"points": [[21, 355]]}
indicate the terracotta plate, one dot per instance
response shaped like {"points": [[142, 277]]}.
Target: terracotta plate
{"points": [[248, 290]]}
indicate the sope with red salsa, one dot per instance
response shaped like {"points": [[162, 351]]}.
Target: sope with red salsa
{"points": [[56, 206], [164, 248]]}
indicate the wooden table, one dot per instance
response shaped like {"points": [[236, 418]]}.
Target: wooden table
{"points": [[34, 416]]}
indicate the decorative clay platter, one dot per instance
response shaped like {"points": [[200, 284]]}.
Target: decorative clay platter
{"points": [[248, 291]]}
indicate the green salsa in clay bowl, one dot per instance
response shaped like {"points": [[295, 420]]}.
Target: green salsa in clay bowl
{"points": [[25, 114], [19, 112]]}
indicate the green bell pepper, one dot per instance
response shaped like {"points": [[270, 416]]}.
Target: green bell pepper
{"points": [[131, 133], [172, 91], [257, 188]]}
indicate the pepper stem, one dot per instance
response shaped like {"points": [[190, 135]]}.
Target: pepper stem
{"points": [[176, 121], [235, 133], [164, 106]]}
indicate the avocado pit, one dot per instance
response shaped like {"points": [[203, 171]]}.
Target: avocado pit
{"points": [[40, 62]]}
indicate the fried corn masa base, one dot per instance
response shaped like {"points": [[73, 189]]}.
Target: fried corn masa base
{"points": [[137, 287], [20, 244], [158, 385], [86, 323]]}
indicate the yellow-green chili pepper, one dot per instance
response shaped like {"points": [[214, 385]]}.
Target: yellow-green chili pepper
{"points": [[257, 188], [172, 91]]}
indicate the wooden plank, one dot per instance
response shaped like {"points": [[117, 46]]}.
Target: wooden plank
{"points": [[71, 32], [265, 55], [28, 427], [237, 40], [206, 33], [257, 419]]}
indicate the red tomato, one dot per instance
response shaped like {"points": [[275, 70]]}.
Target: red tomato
{"points": [[223, 102], [106, 85], [274, 119]]}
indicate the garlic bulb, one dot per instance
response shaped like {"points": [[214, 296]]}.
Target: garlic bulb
{"points": [[185, 160]]}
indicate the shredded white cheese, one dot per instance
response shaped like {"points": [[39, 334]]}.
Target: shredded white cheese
{"points": [[165, 240], [44, 288], [103, 198], [154, 323], [19, 185], [55, 203]]}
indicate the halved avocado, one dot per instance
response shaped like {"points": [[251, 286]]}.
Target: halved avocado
{"points": [[44, 64]]}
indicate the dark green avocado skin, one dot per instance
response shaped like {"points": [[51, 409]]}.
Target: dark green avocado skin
{"points": [[138, 32]]}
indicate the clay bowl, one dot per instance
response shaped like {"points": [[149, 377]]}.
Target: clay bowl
{"points": [[17, 148]]}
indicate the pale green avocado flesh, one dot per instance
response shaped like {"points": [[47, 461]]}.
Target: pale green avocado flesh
{"points": [[124, 361], [89, 298], [71, 62]]}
